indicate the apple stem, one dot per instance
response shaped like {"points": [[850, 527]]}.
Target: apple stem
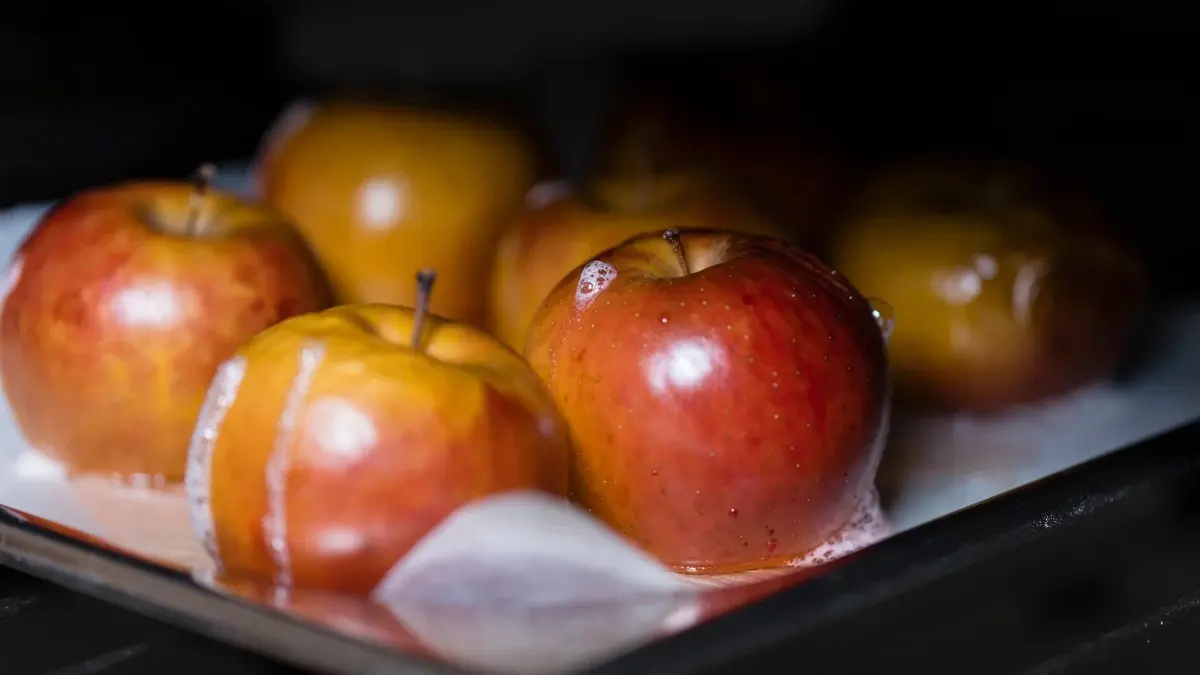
{"points": [[201, 182], [672, 237], [425, 279]]}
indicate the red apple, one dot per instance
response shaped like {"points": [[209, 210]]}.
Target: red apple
{"points": [[728, 395], [549, 238], [123, 301], [335, 441]]}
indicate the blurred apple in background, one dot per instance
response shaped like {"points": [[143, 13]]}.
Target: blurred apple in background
{"points": [[742, 123], [381, 191], [121, 304], [1006, 287], [557, 232], [334, 441], [728, 396]]}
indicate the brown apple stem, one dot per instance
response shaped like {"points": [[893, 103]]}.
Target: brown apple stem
{"points": [[201, 182], [425, 279], [672, 237]]}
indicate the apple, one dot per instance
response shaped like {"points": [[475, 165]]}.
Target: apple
{"points": [[381, 191], [779, 154], [560, 229], [123, 301], [727, 394], [333, 442], [1006, 287]]}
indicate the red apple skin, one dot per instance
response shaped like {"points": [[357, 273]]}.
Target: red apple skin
{"points": [[117, 320], [725, 420]]}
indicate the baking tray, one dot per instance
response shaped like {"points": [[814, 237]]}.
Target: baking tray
{"points": [[1049, 577], [103, 639], [1080, 541]]}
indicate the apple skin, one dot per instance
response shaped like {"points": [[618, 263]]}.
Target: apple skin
{"points": [[1006, 287], [116, 320], [357, 455], [725, 420], [552, 236], [381, 191]]}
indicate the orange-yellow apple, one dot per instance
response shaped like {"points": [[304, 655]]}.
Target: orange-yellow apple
{"points": [[1005, 287], [382, 191], [120, 306], [558, 231], [334, 441], [727, 394]]}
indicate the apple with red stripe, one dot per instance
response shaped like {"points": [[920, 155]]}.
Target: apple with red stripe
{"points": [[124, 300], [728, 395]]}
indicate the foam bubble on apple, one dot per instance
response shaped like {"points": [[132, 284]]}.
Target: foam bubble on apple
{"points": [[593, 279], [222, 393], [279, 464], [867, 526]]}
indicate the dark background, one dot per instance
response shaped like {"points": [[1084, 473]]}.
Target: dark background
{"points": [[123, 89]]}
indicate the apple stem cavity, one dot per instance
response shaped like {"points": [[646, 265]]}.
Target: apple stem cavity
{"points": [[201, 182], [672, 237], [425, 279]]}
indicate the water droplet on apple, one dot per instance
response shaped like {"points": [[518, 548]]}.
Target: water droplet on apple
{"points": [[884, 315], [663, 319], [733, 513], [654, 471]]}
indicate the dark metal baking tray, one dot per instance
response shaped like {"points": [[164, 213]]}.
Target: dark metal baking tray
{"points": [[1051, 577], [46, 629]]}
